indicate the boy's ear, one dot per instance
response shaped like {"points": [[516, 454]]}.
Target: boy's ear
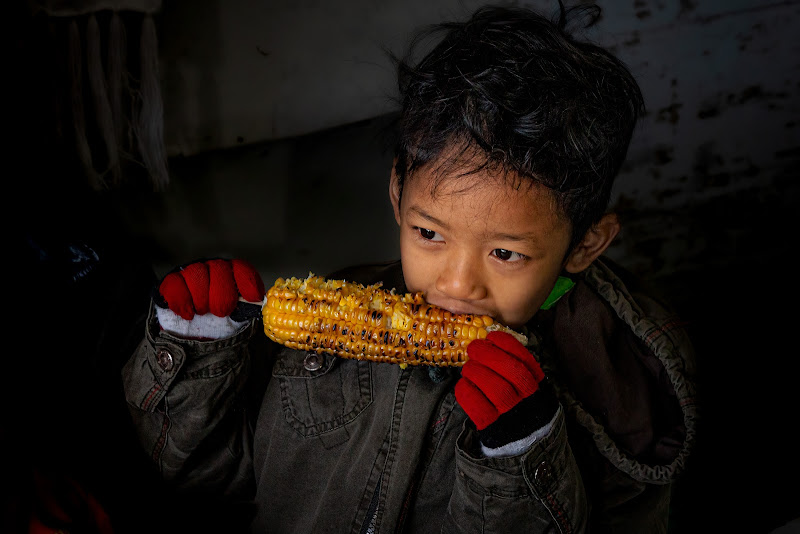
{"points": [[594, 243], [394, 195]]}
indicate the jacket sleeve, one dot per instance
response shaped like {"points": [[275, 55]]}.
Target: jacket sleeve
{"points": [[191, 406], [538, 491]]}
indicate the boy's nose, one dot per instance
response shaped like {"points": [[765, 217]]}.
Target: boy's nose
{"points": [[460, 279]]}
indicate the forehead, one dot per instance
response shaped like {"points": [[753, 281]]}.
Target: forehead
{"points": [[461, 168], [494, 196]]}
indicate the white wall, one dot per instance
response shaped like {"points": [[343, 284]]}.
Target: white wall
{"points": [[241, 72]]}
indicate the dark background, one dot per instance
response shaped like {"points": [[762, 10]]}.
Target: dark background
{"points": [[273, 121]]}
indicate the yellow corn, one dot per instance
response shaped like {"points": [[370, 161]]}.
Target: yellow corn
{"points": [[351, 320]]}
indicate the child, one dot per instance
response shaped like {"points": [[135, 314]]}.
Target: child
{"points": [[510, 137]]}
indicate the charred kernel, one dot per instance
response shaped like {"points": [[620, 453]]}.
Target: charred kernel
{"points": [[349, 320]]}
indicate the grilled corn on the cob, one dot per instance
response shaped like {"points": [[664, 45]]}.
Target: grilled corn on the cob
{"points": [[351, 320]]}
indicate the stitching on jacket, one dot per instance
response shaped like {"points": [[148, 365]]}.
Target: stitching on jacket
{"points": [[158, 448], [149, 397], [664, 329], [558, 510]]}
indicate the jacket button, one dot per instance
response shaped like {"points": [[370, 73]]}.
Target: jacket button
{"points": [[543, 475], [312, 362], [164, 359]]}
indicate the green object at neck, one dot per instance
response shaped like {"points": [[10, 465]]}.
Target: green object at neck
{"points": [[563, 284]]}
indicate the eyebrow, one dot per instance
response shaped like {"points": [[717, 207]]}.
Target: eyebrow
{"points": [[528, 237], [427, 216]]}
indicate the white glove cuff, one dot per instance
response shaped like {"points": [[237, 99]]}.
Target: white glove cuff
{"points": [[520, 446], [207, 326]]}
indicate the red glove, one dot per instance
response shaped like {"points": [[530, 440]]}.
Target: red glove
{"points": [[209, 286], [497, 388]]}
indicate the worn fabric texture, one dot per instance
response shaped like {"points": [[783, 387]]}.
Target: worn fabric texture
{"points": [[353, 446]]}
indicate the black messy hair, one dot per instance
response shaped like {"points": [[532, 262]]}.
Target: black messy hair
{"points": [[525, 96]]}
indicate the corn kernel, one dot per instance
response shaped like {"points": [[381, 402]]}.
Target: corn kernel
{"points": [[351, 320]]}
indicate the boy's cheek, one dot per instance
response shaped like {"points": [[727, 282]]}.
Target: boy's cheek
{"points": [[417, 269], [518, 308], [415, 276], [517, 318]]}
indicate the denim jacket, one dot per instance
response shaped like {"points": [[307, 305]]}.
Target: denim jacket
{"points": [[322, 444]]}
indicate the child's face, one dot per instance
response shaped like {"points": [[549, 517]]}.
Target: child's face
{"points": [[479, 245]]}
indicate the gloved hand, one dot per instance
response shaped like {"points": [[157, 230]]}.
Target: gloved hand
{"points": [[201, 299], [502, 390]]}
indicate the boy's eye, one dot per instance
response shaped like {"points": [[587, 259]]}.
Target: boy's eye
{"points": [[507, 255], [430, 235]]}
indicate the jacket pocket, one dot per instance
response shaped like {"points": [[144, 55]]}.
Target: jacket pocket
{"points": [[319, 392]]}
